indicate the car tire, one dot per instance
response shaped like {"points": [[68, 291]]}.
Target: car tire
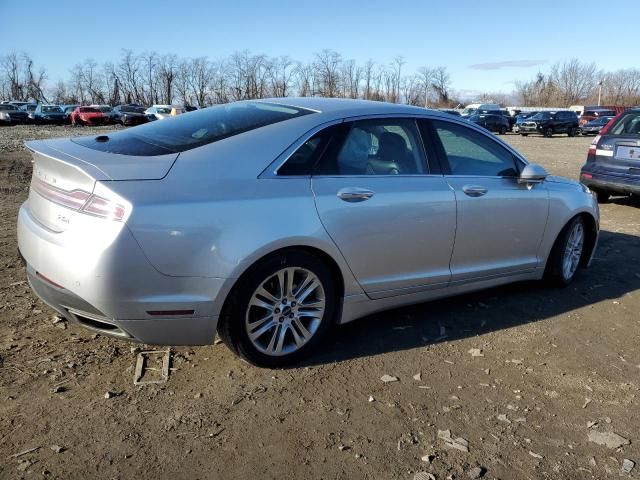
{"points": [[524, 134], [571, 132], [566, 254], [289, 320], [502, 130], [602, 196], [548, 132]]}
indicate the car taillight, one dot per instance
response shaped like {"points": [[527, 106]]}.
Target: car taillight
{"points": [[591, 154], [79, 200]]}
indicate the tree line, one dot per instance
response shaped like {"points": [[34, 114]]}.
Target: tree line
{"points": [[151, 78]]}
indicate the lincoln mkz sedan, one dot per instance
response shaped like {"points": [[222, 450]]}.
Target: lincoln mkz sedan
{"points": [[270, 221]]}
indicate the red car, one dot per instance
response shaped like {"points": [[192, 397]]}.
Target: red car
{"points": [[88, 116]]}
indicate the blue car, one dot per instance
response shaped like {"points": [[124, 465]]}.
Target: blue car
{"points": [[613, 161]]}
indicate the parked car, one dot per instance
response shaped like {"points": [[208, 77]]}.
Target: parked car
{"points": [[108, 111], [129, 115], [10, 115], [179, 241], [30, 110], [511, 119], [493, 122], [49, 114], [550, 123], [474, 108], [596, 113], [613, 160], [17, 103], [89, 116], [68, 110], [160, 112], [594, 126], [521, 117]]}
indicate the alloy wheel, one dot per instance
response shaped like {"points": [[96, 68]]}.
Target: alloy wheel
{"points": [[285, 311], [573, 251]]}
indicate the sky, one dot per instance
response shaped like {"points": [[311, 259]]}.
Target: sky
{"points": [[485, 45]]}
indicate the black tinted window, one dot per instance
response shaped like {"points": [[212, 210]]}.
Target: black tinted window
{"points": [[184, 132], [472, 153], [301, 162], [376, 147]]}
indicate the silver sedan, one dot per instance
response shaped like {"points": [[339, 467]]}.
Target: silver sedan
{"points": [[270, 221]]}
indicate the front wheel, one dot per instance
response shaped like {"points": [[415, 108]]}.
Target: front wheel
{"points": [[571, 132], [548, 132], [524, 134], [280, 309], [502, 130], [566, 253]]}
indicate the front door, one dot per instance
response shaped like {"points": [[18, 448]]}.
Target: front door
{"points": [[500, 222]]}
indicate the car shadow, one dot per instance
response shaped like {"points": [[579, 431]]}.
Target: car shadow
{"points": [[614, 272]]}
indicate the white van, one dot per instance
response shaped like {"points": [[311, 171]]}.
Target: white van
{"points": [[478, 107]]}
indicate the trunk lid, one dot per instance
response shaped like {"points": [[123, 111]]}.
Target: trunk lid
{"points": [[65, 175], [619, 154]]}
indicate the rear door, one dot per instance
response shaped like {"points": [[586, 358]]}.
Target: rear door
{"points": [[387, 207], [500, 222]]}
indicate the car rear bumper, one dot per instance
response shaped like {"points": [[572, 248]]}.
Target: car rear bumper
{"points": [[113, 290], [612, 183]]}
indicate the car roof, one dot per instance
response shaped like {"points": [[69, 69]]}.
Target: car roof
{"points": [[339, 107]]}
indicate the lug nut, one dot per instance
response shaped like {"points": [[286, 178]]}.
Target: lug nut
{"points": [[277, 310], [293, 304], [291, 315]]}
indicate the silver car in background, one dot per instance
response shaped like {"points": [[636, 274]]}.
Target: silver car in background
{"points": [[270, 221]]}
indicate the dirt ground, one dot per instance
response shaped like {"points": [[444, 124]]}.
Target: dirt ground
{"points": [[553, 370]]}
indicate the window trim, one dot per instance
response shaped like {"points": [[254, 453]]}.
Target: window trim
{"points": [[436, 168], [518, 162]]}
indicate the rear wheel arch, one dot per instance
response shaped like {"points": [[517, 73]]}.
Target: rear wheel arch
{"points": [[591, 236], [328, 260]]}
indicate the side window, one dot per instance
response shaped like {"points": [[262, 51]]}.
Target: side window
{"points": [[301, 162], [471, 153], [376, 147]]}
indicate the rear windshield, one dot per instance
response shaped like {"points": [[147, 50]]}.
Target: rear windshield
{"points": [[194, 129], [627, 124]]}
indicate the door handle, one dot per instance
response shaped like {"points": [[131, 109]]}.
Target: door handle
{"points": [[354, 194], [474, 190]]}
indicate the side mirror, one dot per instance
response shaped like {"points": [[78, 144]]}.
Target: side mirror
{"points": [[532, 173]]}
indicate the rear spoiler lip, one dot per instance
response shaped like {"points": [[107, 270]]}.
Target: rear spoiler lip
{"points": [[44, 147]]}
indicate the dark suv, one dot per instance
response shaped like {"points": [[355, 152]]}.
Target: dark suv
{"points": [[613, 161], [492, 122], [549, 123]]}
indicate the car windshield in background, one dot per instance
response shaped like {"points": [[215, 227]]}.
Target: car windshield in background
{"points": [[627, 124], [132, 109], [201, 127], [104, 109], [163, 110], [8, 107], [541, 116], [51, 109], [89, 110]]}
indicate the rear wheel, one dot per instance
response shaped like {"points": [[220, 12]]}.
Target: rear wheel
{"points": [[548, 132], [566, 253], [524, 134], [280, 309], [571, 132], [502, 130]]}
